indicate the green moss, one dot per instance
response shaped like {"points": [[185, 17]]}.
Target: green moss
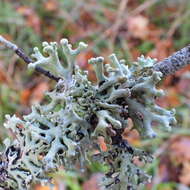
{"points": [[146, 47]]}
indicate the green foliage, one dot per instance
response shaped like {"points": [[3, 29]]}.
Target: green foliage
{"points": [[146, 47], [7, 95], [12, 21], [71, 179]]}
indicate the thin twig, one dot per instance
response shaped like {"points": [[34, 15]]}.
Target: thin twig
{"points": [[112, 30], [168, 66], [26, 58], [177, 23], [8, 44], [138, 10], [143, 7], [119, 20]]}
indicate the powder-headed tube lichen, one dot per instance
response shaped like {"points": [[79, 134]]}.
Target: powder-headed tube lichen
{"points": [[66, 129]]}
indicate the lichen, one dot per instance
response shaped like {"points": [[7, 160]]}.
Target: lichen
{"points": [[65, 130]]}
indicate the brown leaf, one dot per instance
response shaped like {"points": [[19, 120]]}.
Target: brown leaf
{"points": [[38, 92], [51, 5], [138, 26], [39, 187], [182, 70], [185, 174], [82, 61], [25, 96], [175, 161], [3, 77], [102, 144], [183, 87], [154, 33], [171, 99], [163, 48], [93, 183], [32, 18], [180, 147], [131, 135]]}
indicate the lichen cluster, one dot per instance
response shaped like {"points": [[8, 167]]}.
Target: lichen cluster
{"points": [[65, 130]]}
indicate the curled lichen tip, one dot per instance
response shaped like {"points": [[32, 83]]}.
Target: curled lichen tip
{"points": [[83, 45], [44, 44], [64, 41], [146, 62], [96, 60]]}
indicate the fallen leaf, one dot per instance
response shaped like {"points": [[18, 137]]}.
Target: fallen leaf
{"points": [[93, 183], [51, 5], [171, 99], [3, 77], [183, 87], [138, 26], [82, 60], [25, 96], [39, 187], [38, 92], [185, 174], [163, 48], [32, 18], [180, 147], [102, 144], [174, 163]]}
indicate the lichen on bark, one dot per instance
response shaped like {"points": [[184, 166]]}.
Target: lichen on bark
{"points": [[65, 130]]}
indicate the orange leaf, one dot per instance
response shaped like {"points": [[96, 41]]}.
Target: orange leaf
{"points": [[51, 5], [3, 77], [32, 18], [38, 92], [102, 144], [39, 187], [25, 96], [93, 183], [163, 48]]}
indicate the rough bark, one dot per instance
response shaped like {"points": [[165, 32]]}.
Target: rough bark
{"points": [[174, 62]]}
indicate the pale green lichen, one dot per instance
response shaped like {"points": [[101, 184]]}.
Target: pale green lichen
{"points": [[64, 131]]}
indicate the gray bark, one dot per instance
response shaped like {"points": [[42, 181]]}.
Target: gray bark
{"points": [[174, 62]]}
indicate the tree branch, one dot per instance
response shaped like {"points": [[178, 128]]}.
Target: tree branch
{"points": [[26, 58], [174, 62], [168, 66]]}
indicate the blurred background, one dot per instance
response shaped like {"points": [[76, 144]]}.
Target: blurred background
{"points": [[155, 28]]}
